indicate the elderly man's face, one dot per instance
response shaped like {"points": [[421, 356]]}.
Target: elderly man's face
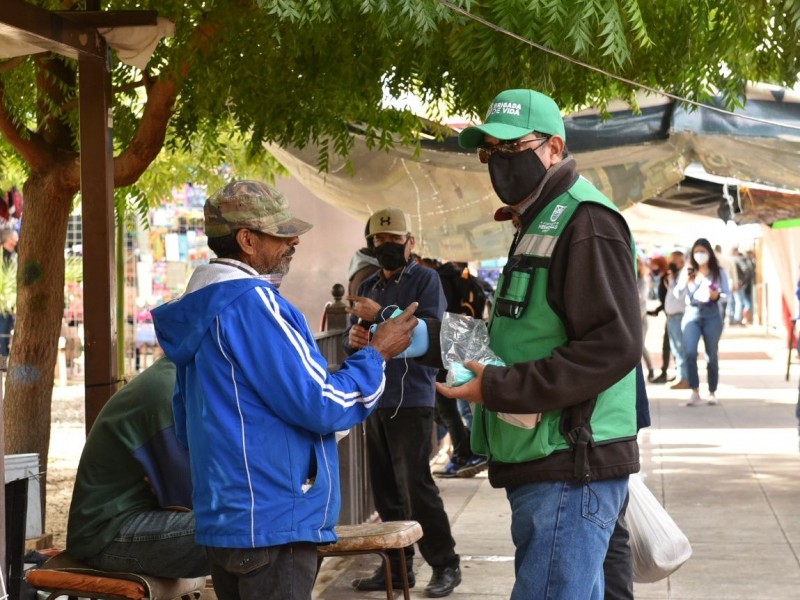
{"points": [[270, 254]]}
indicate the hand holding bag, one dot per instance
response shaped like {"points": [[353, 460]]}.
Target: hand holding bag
{"points": [[658, 545]]}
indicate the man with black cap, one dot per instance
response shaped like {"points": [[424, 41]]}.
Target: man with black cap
{"points": [[399, 432], [566, 323], [255, 403]]}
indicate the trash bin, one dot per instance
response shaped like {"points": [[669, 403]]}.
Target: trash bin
{"points": [[26, 466], [23, 518]]}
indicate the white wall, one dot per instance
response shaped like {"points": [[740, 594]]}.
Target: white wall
{"points": [[323, 254]]}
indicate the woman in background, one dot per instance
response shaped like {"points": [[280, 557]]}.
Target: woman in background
{"points": [[659, 270], [702, 284], [643, 282]]}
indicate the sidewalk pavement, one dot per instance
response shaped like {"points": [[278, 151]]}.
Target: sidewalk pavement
{"points": [[727, 474]]}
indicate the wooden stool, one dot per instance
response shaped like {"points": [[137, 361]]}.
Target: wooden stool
{"points": [[63, 575], [376, 538]]}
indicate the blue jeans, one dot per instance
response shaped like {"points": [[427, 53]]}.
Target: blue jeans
{"points": [[738, 299], [702, 321], [561, 531], [747, 299], [675, 334], [156, 542]]}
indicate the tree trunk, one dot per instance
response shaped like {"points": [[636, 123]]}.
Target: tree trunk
{"points": [[40, 309]]}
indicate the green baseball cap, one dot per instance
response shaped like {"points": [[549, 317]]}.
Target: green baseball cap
{"points": [[248, 204], [514, 114]]}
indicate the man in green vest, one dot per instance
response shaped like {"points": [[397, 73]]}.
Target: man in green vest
{"points": [[558, 421]]}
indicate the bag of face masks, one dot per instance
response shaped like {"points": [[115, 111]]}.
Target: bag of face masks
{"points": [[463, 338]]}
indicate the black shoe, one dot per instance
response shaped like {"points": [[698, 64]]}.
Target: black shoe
{"points": [[661, 378], [377, 581], [650, 375], [443, 582]]}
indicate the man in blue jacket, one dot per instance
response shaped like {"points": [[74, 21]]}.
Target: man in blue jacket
{"points": [[399, 432], [255, 402]]}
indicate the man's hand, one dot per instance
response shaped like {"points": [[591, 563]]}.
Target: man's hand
{"points": [[394, 335], [472, 391], [358, 337], [364, 308]]}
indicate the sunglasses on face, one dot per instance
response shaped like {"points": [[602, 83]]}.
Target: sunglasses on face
{"points": [[511, 147]]}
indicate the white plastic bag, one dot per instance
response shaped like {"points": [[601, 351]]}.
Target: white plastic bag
{"points": [[658, 545]]}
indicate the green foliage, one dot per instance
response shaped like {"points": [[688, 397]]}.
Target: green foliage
{"points": [[14, 170], [292, 72], [73, 269], [210, 160], [8, 287]]}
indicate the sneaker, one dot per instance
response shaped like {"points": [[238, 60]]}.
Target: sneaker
{"points": [[472, 466], [443, 582], [680, 385], [450, 470], [694, 399], [377, 581], [712, 399]]}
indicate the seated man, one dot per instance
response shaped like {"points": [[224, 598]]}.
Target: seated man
{"points": [[131, 505]]}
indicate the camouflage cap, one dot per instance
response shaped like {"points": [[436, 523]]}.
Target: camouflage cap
{"points": [[252, 205]]}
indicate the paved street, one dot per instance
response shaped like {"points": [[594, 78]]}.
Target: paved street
{"points": [[727, 474]]}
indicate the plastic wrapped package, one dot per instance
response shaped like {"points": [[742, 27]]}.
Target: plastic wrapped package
{"points": [[463, 338]]}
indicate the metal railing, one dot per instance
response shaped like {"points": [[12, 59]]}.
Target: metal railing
{"points": [[357, 505]]}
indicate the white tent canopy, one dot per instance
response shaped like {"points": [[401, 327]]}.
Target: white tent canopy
{"points": [[631, 157]]}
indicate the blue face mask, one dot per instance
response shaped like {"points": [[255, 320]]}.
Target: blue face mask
{"points": [[515, 175]]}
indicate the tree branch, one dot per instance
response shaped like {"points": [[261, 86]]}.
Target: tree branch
{"points": [[67, 106], [31, 146], [162, 92], [150, 135], [11, 64]]}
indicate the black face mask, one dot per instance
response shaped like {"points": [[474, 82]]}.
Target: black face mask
{"points": [[391, 256], [515, 175]]}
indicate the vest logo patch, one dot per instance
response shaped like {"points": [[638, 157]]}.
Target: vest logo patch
{"points": [[554, 217], [557, 212]]}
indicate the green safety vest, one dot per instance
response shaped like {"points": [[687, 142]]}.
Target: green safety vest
{"points": [[523, 327]]}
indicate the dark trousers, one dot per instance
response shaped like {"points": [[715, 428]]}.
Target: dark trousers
{"points": [[398, 454], [6, 325], [275, 573], [448, 416], [665, 351], [618, 565]]}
